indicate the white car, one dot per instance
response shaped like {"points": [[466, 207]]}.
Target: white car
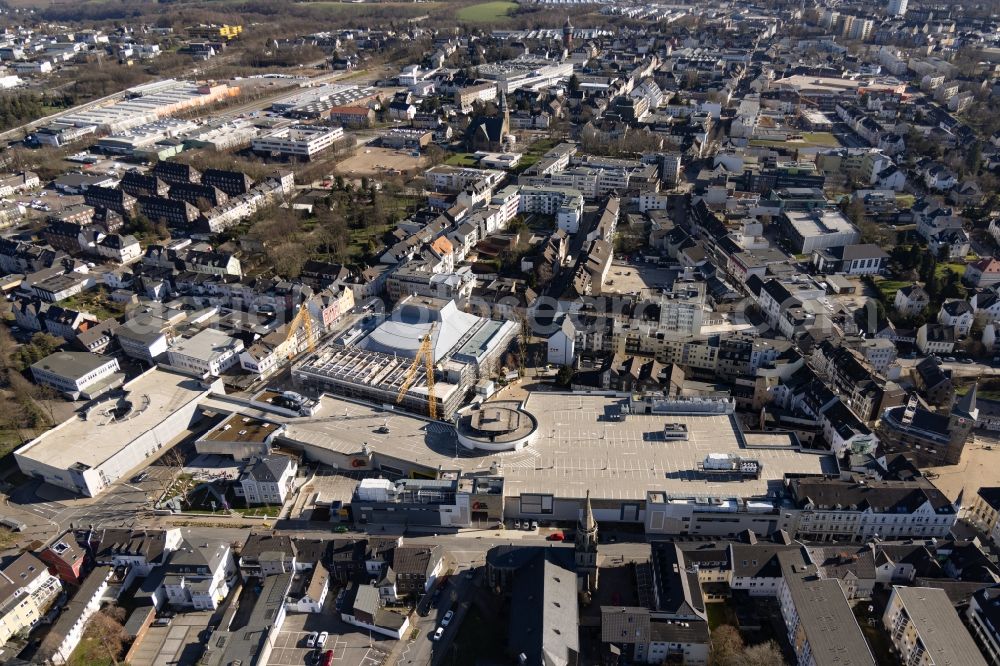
{"points": [[321, 641], [438, 634], [446, 620], [311, 641]]}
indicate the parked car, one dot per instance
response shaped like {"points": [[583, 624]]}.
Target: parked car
{"points": [[162, 622], [556, 536], [446, 620], [340, 529], [327, 658], [534, 524], [140, 477], [321, 641], [438, 634], [311, 640]]}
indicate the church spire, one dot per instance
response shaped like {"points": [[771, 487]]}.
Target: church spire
{"points": [[586, 548], [966, 405], [588, 524]]}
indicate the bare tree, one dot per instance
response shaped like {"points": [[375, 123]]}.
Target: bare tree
{"points": [[105, 627]]}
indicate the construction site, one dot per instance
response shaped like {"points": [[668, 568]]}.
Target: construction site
{"points": [[425, 358]]}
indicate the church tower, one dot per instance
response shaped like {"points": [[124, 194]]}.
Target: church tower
{"points": [[568, 35], [961, 421], [586, 549]]}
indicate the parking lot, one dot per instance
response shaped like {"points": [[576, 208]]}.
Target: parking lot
{"points": [[350, 646]]}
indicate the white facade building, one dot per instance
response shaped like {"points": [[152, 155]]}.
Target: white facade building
{"points": [[298, 141]]}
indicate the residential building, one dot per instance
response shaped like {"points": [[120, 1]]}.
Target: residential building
{"points": [[983, 619], [67, 632], [821, 626], [199, 573], [208, 352], [65, 558], [27, 590], [856, 509], [268, 480], [932, 437], [925, 629]]}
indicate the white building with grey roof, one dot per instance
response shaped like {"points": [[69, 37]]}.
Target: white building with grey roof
{"points": [[116, 435], [78, 374], [267, 480]]}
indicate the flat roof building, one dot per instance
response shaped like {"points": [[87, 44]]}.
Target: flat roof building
{"points": [[92, 449], [304, 141], [817, 229], [581, 444], [78, 374]]}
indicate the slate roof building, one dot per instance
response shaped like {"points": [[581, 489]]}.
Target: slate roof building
{"points": [[931, 437], [268, 480], [487, 132]]}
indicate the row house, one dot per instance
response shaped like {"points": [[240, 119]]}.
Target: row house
{"points": [[111, 198], [176, 214], [856, 509]]}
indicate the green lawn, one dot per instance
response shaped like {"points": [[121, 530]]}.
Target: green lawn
{"points": [[94, 301], [809, 140], [905, 200], [889, 288], [462, 159], [487, 12], [821, 139], [535, 152], [943, 269]]}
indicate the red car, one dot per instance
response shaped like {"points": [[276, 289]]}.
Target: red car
{"points": [[327, 658], [557, 536]]}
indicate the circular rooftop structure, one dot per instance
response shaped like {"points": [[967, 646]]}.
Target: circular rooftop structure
{"points": [[503, 425]]}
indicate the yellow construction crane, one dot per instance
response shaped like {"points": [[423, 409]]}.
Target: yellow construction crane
{"points": [[425, 352], [302, 319]]}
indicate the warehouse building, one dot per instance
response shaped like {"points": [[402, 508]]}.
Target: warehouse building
{"points": [[116, 435], [613, 445]]}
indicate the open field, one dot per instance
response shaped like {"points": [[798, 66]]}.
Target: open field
{"points": [[487, 12], [369, 161], [809, 140], [361, 7]]}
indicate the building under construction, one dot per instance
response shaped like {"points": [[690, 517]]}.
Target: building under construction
{"points": [[385, 367], [377, 378]]}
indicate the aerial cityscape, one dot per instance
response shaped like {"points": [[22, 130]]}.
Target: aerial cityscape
{"points": [[499, 332]]}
